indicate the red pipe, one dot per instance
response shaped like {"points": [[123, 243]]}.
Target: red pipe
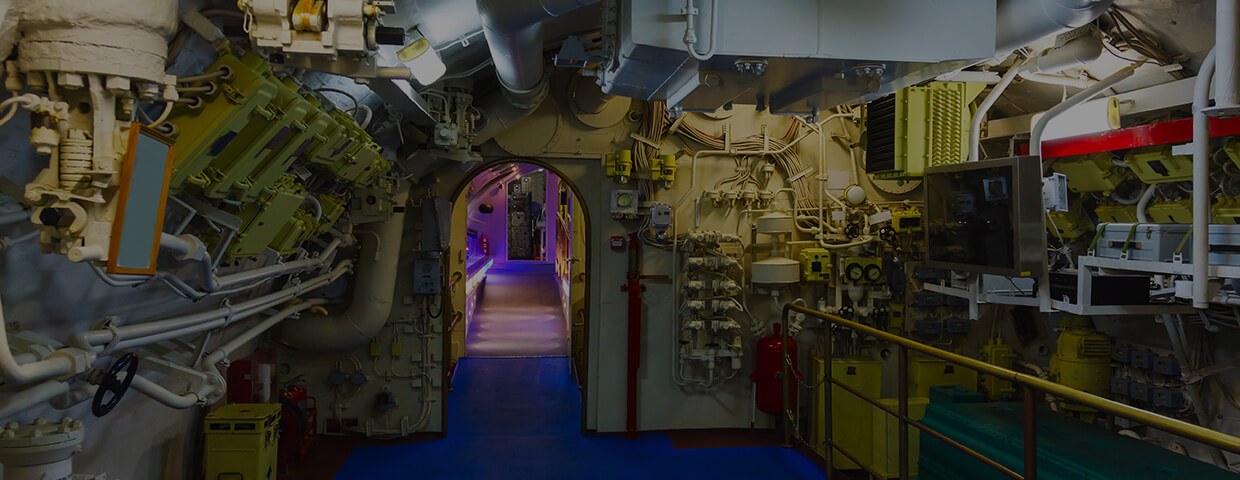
{"points": [[634, 288]]}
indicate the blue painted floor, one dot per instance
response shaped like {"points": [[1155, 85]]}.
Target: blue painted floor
{"points": [[520, 419]]}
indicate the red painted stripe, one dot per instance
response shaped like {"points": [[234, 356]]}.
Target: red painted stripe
{"points": [[1162, 133]]}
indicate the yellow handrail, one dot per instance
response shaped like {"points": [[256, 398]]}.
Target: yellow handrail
{"points": [[1072, 395]]}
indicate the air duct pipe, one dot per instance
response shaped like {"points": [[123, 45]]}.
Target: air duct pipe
{"points": [[1201, 178], [1022, 22], [514, 34], [1227, 63], [372, 295]]}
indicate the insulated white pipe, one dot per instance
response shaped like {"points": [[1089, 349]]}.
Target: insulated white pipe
{"points": [[19, 374], [162, 395], [1052, 79], [223, 351], [1201, 179], [25, 399], [1144, 203], [1035, 138], [13, 217], [372, 295], [975, 128], [1227, 62]]}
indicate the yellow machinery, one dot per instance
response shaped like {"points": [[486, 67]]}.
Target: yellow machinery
{"points": [[1082, 360], [926, 372], [1069, 225], [906, 221], [816, 265], [262, 221], [1158, 165], [1176, 211], [999, 354], [241, 442], [1091, 173], [663, 169], [1227, 210], [919, 127], [1115, 213], [886, 448], [852, 424]]}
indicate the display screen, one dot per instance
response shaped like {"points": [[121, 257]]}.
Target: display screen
{"points": [[969, 219]]}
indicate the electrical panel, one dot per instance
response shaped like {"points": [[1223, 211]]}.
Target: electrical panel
{"points": [[919, 127], [427, 276], [661, 215], [624, 204], [526, 216], [816, 265], [906, 221], [986, 216]]}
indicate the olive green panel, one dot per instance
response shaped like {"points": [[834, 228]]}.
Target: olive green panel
{"points": [[263, 220], [1158, 165], [333, 208], [1092, 173], [230, 173], [298, 229], [932, 127], [280, 161], [207, 130]]}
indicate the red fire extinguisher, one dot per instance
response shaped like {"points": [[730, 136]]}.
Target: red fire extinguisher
{"points": [[768, 373]]}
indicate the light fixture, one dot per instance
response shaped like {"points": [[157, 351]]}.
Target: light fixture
{"points": [[422, 59]]}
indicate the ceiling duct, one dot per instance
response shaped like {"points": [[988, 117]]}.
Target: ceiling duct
{"points": [[514, 35]]}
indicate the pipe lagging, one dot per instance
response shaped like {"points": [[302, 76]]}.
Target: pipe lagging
{"points": [[1035, 137], [225, 350], [30, 397], [196, 321], [372, 295], [975, 128], [1201, 181], [19, 374]]}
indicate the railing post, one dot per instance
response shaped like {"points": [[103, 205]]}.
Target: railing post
{"points": [[828, 434], [902, 369], [783, 360], [1031, 434]]}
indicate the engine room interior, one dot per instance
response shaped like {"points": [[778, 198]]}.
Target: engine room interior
{"points": [[535, 239]]}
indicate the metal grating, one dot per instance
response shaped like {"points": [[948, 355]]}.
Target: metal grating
{"points": [[880, 127]]}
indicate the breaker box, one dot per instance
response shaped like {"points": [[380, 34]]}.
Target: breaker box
{"points": [[242, 441]]}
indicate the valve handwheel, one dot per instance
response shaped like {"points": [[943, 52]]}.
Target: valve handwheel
{"points": [[114, 385]]}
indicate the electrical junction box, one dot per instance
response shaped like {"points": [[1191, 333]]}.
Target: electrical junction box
{"points": [[661, 215], [241, 441], [1055, 192], [1092, 173], [906, 221], [852, 424], [816, 265], [624, 203], [427, 276], [999, 354], [333, 208], [895, 318], [1157, 165]]}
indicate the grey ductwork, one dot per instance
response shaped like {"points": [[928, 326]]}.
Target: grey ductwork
{"points": [[513, 30], [377, 266], [1021, 22]]}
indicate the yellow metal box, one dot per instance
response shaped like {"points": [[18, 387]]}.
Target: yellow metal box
{"points": [[887, 436], [926, 372], [1091, 173], [851, 420], [241, 442], [816, 265]]}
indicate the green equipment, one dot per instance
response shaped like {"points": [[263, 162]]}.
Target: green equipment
{"points": [[927, 372], [1092, 173], [1069, 225], [1175, 211], [220, 121], [852, 424], [919, 127], [241, 442], [282, 157], [229, 174], [1116, 213], [1082, 360], [1157, 165], [263, 220], [999, 354]]}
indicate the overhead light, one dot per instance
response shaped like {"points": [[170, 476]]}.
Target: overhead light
{"points": [[422, 59]]}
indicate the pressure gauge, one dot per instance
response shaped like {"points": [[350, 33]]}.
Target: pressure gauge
{"points": [[854, 272], [873, 273], [624, 200]]}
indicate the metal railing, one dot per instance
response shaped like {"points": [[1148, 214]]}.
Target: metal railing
{"points": [[1028, 384]]}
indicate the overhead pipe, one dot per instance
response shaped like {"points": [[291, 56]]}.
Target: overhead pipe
{"points": [[1201, 178], [1035, 137], [372, 295], [1019, 23], [25, 399], [975, 128], [514, 35], [19, 374], [1227, 62]]}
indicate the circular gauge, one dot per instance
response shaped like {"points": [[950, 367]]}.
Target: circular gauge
{"points": [[854, 272], [873, 272], [624, 200]]}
